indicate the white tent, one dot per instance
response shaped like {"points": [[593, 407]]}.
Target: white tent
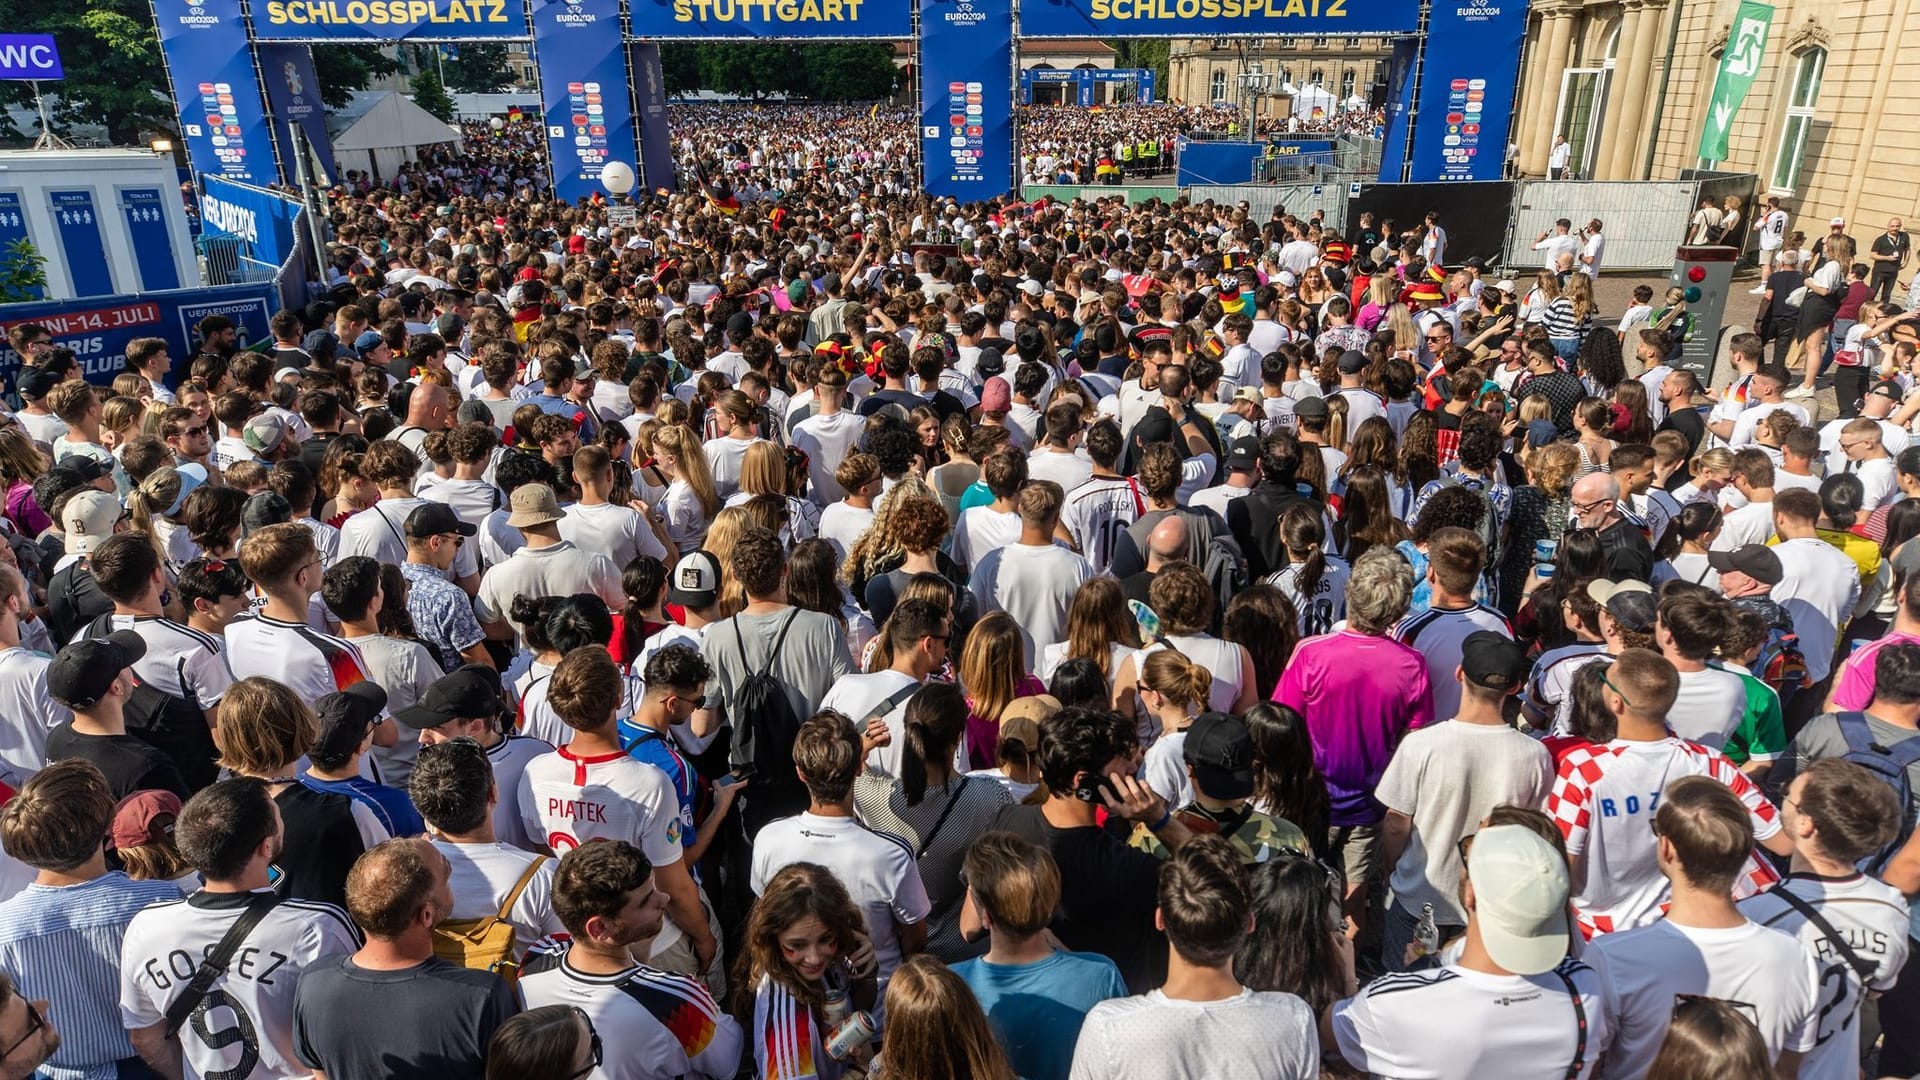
{"points": [[388, 133], [1308, 98], [1354, 103]]}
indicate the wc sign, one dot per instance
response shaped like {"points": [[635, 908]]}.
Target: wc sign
{"points": [[29, 56]]}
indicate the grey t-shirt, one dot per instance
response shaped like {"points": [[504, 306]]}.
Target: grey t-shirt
{"points": [[434, 1021], [812, 657], [1821, 738]]}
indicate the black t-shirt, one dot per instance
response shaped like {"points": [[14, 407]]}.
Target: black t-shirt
{"points": [[1890, 248], [907, 400], [432, 1021], [313, 452], [129, 764], [74, 599], [1135, 586], [322, 844], [1108, 892], [1688, 422], [1629, 556]]}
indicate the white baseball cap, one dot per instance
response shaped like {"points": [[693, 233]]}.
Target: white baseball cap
{"points": [[1520, 898]]}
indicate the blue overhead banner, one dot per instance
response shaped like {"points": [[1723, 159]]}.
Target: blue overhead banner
{"points": [[29, 57], [293, 99], [13, 223], [670, 20], [1467, 79], [263, 219], [80, 243], [146, 215], [1201, 18], [1393, 149], [211, 65], [966, 98], [656, 138], [389, 20], [98, 328], [583, 81]]}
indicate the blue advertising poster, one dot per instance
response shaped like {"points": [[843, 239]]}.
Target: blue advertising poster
{"points": [[671, 20], [656, 138], [966, 92], [583, 81], [389, 20], [85, 252], [13, 224], [1393, 149], [263, 219], [146, 216], [1201, 18], [214, 88], [293, 98], [1466, 90], [98, 328], [30, 56]]}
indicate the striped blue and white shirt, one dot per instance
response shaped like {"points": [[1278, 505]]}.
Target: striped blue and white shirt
{"points": [[62, 943]]}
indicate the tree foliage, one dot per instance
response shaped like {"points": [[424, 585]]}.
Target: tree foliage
{"points": [[23, 272], [342, 69], [480, 68], [429, 94], [837, 71], [1144, 53], [114, 76]]}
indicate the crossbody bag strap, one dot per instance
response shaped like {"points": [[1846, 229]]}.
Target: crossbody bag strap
{"points": [[891, 703], [1580, 1025], [953, 800], [1861, 967], [215, 964], [513, 897]]}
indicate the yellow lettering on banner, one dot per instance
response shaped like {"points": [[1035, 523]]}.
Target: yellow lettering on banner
{"points": [[1294, 7]]}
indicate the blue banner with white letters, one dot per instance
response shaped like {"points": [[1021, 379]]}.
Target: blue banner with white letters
{"points": [[1393, 150], [966, 98], [98, 328], [266, 221], [293, 99], [583, 81], [13, 224], [211, 64], [145, 213], [29, 57], [669, 20], [80, 243], [1467, 81]]}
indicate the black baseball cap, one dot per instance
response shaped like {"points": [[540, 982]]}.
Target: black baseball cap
{"points": [[1352, 362], [1243, 452], [1757, 561], [263, 509], [435, 518], [469, 692], [345, 717], [87, 467], [1493, 660], [1220, 749], [83, 672], [35, 383]]}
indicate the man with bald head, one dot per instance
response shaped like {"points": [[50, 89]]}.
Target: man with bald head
{"points": [[1596, 506], [435, 1018], [1166, 543]]}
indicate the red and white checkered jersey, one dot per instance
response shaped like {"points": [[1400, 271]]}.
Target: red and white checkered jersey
{"points": [[1604, 799]]}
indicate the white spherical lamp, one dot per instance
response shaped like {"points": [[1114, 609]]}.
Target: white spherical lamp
{"points": [[617, 177], [497, 124]]}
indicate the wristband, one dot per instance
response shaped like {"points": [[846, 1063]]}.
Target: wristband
{"points": [[1165, 816]]}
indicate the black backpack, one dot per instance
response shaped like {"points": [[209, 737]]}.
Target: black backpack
{"points": [[764, 719], [1889, 764]]}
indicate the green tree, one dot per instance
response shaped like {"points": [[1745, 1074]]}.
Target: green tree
{"points": [[342, 69], [849, 71], [429, 94], [23, 273], [680, 67], [1143, 53], [111, 55], [750, 70], [480, 69]]}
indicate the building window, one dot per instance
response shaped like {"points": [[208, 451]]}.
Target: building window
{"points": [[1319, 77], [1353, 43], [1286, 75], [1346, 84], [1319, 43], [1218, 88], [1809, 67]]}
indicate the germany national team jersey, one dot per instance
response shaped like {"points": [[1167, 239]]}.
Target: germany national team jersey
{"points": [[308, 662], [653, 1025], [244, 1026]]}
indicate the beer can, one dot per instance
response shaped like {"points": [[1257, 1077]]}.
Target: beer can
{"points": [[853, 1033], [837, 1008]]}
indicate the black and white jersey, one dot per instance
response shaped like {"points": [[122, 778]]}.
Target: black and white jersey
{"points": [[653, 1025], [190, 668], [244, 1026], [1097, 512]]}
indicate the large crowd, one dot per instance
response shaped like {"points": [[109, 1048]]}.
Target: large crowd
{"points": [[854, 634]]}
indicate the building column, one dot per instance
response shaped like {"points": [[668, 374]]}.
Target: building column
{"points": [[1529, 86], [1618, 120], [1633, 132], [1553, 60]]}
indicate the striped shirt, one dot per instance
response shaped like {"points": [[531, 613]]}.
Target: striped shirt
{"points": [[62, 943]]}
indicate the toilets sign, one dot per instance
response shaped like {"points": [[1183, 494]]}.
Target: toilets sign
{"points": [[26, 57]]}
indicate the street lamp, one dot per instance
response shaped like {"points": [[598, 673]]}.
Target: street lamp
{"points": [[162, 146], [617, 177], [1252, 85], [497, 124]]}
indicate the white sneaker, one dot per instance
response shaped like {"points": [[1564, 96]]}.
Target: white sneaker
{"points": [[1757, 290], [1800, 392]]}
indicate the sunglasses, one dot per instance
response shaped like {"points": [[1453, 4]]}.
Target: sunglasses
{"points": [[1606, 679], [593, 1041], [1752, 1012], [192, 431]]}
